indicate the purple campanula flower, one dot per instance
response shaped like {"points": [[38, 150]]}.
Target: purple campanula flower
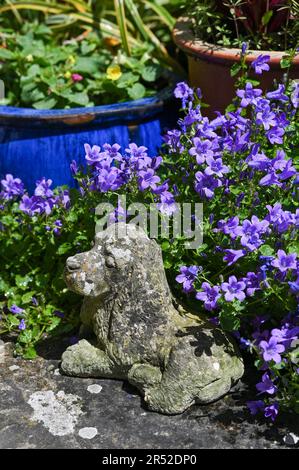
{"points": [[285, 335], [173, 140], [22, 325], [205, 185], [288, 171], [232, 256], [275, 135], [113, 151], [34, 301], [93, 154], [58, 313], [184, 92], [74, 167], [252, 281], [278, 94], [64, 199], [260, 64], [285, 262], [215, 167], [109, 179], [209, 295], [201, 150], [294, 286], [187, 277], [136, 152], [244, 48], [271, 411], [270, 179], [167, 205], [266, 385], [15, 309], [229, 227], [258, 160], [272, 350], [156, 162], [148, 179], [250, 232], [295, 95], [192, 116], [233, 289], [256, 406], [11, 187], [266, 118], [248, 95], [43, 188], [30, 205]]}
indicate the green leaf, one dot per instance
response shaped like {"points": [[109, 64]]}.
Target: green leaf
{"points": [[13, 320], [137, 91], [47, 103], [27, 298], [30, 353], [25, 336], [89, 65], [78, 98], [33, 71], [6, 54], [229, 321], [150, 73], [64, 248], [285, 62], [267, 17], [235, 69], [266, 250], [23, 281]]}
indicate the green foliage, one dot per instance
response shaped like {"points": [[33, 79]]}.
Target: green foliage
{"points": [[127, 23], [43, 72], [263, 24]]}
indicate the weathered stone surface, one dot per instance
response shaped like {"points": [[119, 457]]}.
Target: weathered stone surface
{"points": [[118, 414], [174, 359]]}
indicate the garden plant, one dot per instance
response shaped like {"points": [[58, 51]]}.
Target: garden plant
{"points": [[264, 24], [243, 167]]}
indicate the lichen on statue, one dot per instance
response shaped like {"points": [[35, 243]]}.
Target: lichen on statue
{"points": [[136, 330]]}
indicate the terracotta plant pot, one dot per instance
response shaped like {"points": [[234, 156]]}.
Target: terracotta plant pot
{"points": [[209, 67]]}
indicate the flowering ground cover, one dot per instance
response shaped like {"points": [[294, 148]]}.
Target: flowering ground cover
{"points": [[243, 166]]}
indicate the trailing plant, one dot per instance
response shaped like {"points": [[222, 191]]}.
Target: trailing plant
{"points": [[264, 24], [243, 167]]}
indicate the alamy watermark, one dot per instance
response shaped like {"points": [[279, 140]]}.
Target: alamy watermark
{"points": [[2, 90], [185, 221]]}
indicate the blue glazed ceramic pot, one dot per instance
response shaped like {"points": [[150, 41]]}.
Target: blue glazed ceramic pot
{"points": [[37, 143]]}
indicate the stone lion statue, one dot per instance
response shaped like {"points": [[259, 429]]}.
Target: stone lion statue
{"points": [[140, 333]]}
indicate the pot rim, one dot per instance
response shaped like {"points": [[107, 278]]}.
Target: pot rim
{"points": [[184, 38], [150, 104]]}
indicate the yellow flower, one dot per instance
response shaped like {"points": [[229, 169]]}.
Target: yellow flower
{"points": [[71, 59], [113, 72], [29, 58], [67, 74]]}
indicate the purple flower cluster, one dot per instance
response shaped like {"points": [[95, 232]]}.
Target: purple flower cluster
{"points": [[11, 187], [44, 200], [110, 170], [274, 347]]}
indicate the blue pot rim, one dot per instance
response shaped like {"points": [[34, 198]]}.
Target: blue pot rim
{"points": [[150, 105]]}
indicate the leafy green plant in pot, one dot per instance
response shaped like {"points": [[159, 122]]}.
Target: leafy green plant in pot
{"points": [[72, 66], [213, 31]]}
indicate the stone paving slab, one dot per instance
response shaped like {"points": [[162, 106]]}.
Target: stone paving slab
{"points": [[40, 408]]}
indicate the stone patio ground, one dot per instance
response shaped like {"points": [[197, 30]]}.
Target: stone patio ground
{"points": [[40, 408]]}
